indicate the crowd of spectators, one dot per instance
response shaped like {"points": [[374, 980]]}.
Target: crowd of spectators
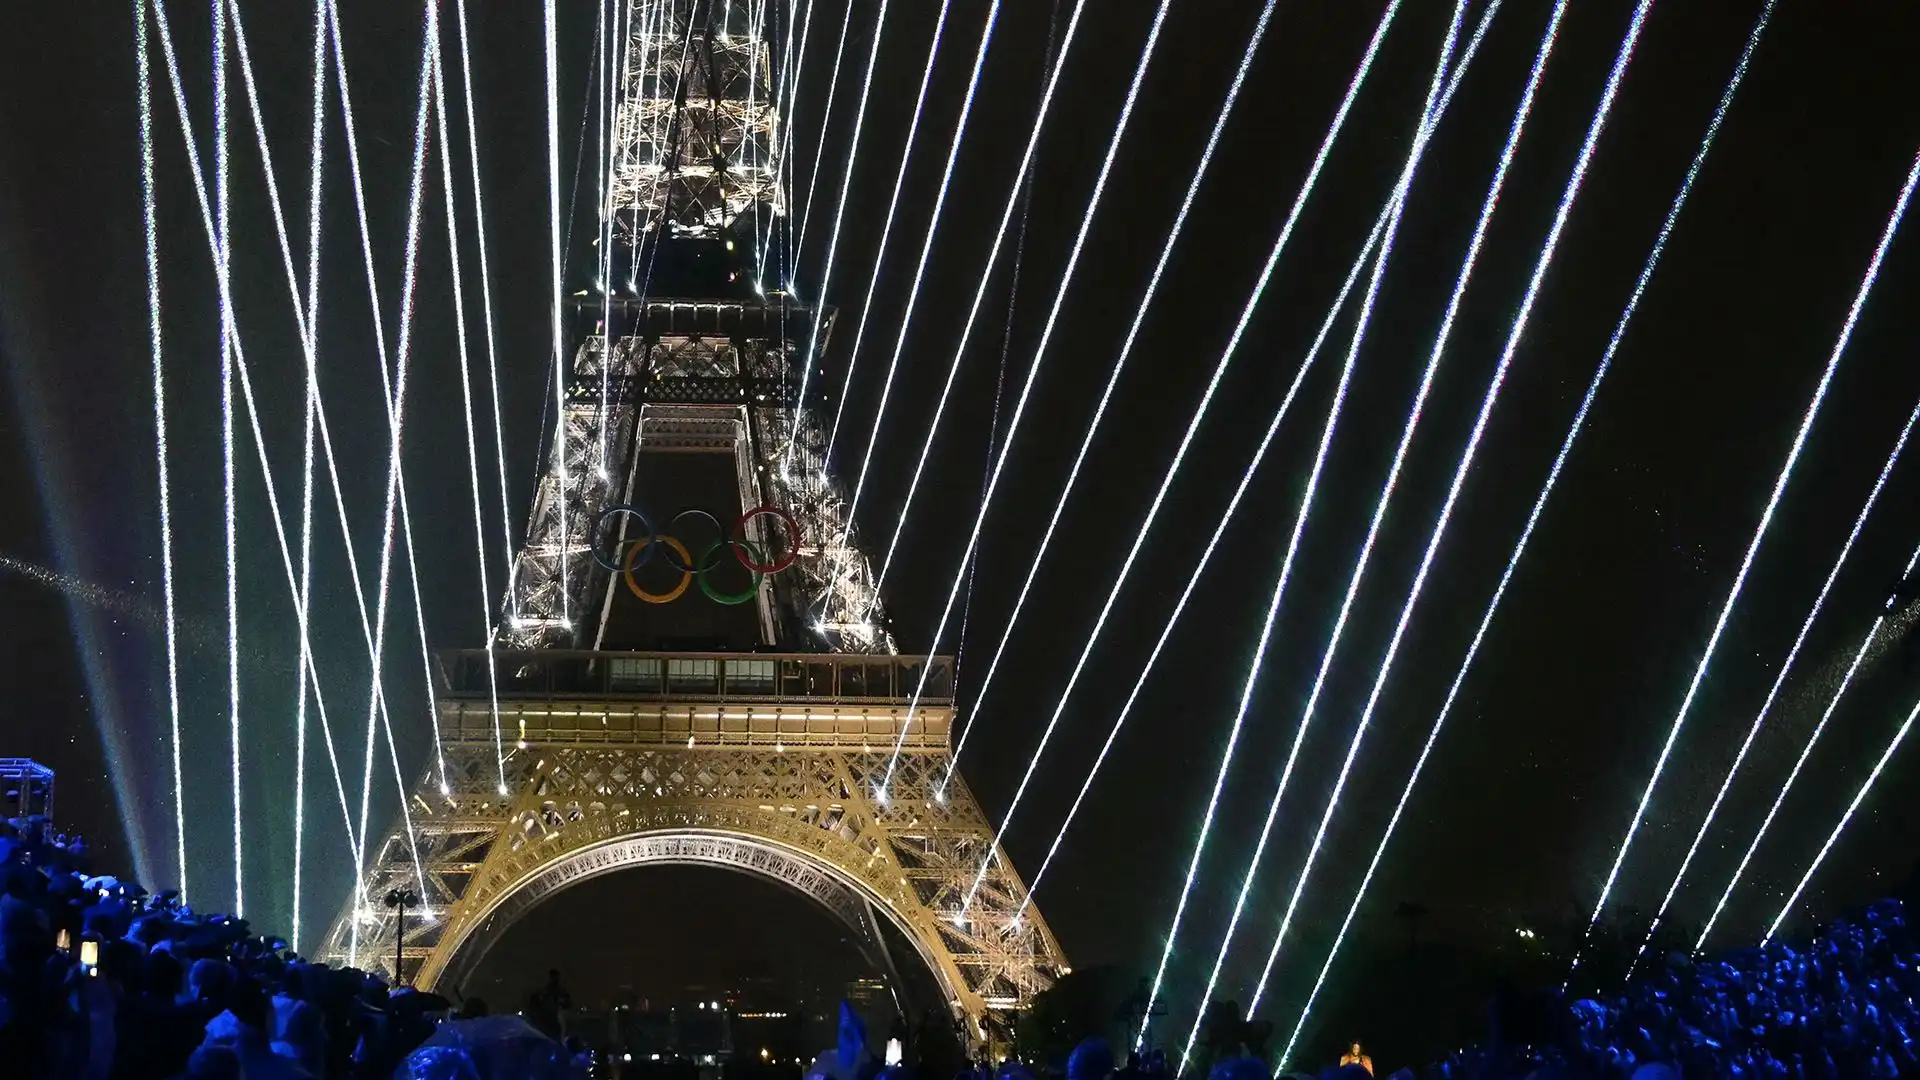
{"points": [[1844, 1006], [100, 980]]}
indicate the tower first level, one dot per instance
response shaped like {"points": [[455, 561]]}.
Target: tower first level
{"points": [[764, 763]]}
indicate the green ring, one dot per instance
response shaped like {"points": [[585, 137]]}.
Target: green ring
{"points": [[731, 599]]}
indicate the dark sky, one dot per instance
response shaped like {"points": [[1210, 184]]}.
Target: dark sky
{"points": [[1536, 778]]}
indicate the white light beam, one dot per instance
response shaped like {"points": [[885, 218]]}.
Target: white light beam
{"points": [[466, 397], [993, 256], [1539, 504], [1753, 547], [811, 356], [1786, 666], [1422, 138], [873, 273], [1465, 465], [1833, 704], [149, 221]]}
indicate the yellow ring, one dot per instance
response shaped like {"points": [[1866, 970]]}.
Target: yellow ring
{"points": [[686, 576]]}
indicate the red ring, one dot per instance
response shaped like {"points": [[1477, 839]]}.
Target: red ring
{"points": [[793, 539]]}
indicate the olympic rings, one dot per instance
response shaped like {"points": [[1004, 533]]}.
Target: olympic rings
{"points": [[753, 556]]}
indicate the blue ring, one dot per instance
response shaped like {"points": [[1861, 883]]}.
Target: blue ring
{"points": [[600, 520]]}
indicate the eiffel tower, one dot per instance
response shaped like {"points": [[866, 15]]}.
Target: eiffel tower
{"points": [[619, 717]]}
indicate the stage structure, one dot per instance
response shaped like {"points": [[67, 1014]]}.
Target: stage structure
{"points": [[691, 664]]}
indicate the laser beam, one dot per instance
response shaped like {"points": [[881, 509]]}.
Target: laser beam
{"points": [[1046, 333], [466, 397], [148, 219], [1753, 547], [1360, 262], [1423, 136], [305, 315], [486, 291], [1826, 847], [309, 344], [1887, 619], [839, 217], [820, 150], [1488, 401], [926, 250], [1513, 560], [966, 334], [873, 275], [396, 412], [223, 255], [223, 282], [1779, 681], [552, 24], [973, 540], [1113, 377]]}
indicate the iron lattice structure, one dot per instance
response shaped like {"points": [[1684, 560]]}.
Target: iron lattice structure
{"points": [[694, 138], [717, 373], [764, 751], [763, 763]]}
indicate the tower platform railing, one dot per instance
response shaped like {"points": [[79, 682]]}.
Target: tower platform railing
{"points": [[825, 678], [697, 699]]}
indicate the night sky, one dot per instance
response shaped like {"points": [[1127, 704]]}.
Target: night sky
{"points": [[1536, 777]]}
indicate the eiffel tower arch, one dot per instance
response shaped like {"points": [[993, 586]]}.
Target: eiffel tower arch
{"points": [[620, 716]]}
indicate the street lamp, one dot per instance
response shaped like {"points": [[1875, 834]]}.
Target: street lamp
{"points": [[400, 899]]}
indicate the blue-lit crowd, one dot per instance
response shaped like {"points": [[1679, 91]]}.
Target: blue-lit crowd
{"points": [[101, 980]]}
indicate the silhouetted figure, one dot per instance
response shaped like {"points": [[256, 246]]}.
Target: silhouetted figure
{"points": [[546, 1004]]}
